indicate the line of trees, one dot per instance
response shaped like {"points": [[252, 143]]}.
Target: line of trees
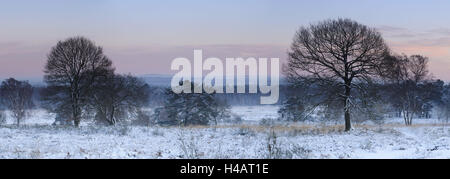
{"points": [[343, 63], [81, 83], [336, 68]]}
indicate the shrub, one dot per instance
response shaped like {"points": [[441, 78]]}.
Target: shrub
{"points": [[187, 109]]}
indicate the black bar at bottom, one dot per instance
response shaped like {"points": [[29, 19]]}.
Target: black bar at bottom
{"points": [[214, 167]]}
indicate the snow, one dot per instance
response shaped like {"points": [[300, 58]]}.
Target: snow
{"points": [[415, 142], [256, 113], [38, 139]]}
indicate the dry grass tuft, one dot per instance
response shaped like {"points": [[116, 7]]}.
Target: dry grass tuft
{"points": [[307, 129]]}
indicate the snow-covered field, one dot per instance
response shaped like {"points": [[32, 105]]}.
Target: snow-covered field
{"points": [[256, 113], [38, 139]]}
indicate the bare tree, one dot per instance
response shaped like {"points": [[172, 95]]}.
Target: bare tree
{"points": [[17, 97], [411, 84], [119, 97], [73, 66], [341, 51]]}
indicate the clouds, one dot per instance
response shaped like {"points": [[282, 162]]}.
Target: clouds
{"points": [[434, 43], [396, 32], [157, 59], [433, 37], [19, 59]]}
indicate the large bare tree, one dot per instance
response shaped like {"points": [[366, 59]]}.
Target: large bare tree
{"points": [[341, 52], [73, 66], [17, 97]]}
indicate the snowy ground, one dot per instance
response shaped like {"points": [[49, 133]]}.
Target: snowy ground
{"points": [[256, 113], [390, 140]]}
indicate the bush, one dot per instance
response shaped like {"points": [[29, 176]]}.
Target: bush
{"points": [[267, 122], [275, 150], [188, 146], [186, 109]]}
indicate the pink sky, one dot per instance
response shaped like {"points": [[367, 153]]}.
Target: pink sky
{"points": [[27, 61], [144, 36]]}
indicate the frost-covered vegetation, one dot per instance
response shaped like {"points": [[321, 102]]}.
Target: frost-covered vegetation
{"points": [[37, 138]]}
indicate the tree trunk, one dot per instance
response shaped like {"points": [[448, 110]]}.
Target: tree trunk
{"points": [[408, 116], [76, 115], [76, 109], [405, 118], [348, 125], [76, 121], [111, 117]]}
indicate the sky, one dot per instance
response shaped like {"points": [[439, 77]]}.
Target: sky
{"points": [[144, 36]]}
